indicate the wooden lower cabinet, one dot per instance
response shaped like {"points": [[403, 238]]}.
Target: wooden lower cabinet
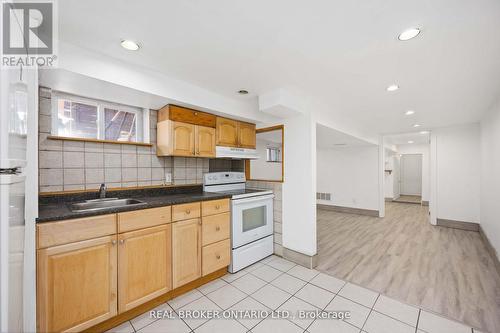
{"points": [[76, 284], [216, 256], [186, 251], [98, 276], [144, 266]]}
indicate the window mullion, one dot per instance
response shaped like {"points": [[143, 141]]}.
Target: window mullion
{"points": [[100, 122]]}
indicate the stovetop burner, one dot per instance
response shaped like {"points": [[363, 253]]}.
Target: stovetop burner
{"points": [[246, 193], [232, 183]]}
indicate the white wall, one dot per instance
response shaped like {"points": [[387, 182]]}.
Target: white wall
{"points": [[260, 168], [350, 174], [490, 176], [396, 173], [423, 149], [391, 185], [299, 188], [457, 169]]}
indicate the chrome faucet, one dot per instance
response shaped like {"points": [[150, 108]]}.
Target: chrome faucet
{"points": [[102, 191]]}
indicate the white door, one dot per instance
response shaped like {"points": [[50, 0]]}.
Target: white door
{"points": [[411, 174]]}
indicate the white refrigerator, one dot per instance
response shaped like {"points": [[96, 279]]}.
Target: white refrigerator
{"points": [[18, 163]]}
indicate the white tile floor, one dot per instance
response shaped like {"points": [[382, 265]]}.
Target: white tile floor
{"points": [[275, 285]]}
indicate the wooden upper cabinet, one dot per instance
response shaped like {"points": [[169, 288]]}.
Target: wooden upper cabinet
{"points": [[186, 251], [186, 132], [76, 285], [183, 139], [144, 266], [205, 141], [227, 132], [185, 115], [246, 135]]}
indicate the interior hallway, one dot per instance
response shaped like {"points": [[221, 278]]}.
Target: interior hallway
{"points": [[444, 270]]}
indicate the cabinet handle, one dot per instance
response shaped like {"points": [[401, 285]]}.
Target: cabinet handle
{"points": [[199, 221], [196, 113], [188, 211], [113, 242], [217, 228], [122, 241], [217, 207], [198, 152], [218, 257]]}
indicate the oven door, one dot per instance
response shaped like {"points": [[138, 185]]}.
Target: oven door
{"points": [[252, 219]]}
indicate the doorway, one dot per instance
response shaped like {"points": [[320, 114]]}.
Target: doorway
{"points": [[410, 178]]}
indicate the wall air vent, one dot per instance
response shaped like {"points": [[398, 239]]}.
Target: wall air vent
{"points": [[323, 196]]}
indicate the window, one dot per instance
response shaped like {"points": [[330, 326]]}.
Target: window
{"points": [[273, 154], [79, 117]]}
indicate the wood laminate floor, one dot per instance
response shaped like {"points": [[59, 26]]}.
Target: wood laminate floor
{"points": [[448, 271]]}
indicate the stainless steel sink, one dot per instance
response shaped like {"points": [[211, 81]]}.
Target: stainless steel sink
{"points": [[99, 204]]}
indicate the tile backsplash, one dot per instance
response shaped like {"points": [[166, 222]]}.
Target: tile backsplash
{"points": [[66, 165]]}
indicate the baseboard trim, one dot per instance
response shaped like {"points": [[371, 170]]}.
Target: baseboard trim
{"points": [[300, 258], [425, 203], [469, 226], [349, 210], [388, 199], [491, 250]]}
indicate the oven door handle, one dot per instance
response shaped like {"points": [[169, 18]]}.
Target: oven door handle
{"points": [[253, 199]]}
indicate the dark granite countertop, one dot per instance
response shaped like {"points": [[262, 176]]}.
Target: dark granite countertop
{"points": [[56, 207]]}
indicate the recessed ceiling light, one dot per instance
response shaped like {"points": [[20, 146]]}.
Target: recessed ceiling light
{"points": [[130, 45], [243, 92], [416, 125], [393, 87], [424, 132], [409, 34], [409, 112], [410, 141]]}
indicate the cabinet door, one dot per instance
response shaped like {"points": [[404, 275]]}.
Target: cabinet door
{"points": [[246, 135], [144, 266], [186, 251], [76, 285], [183, 139], [205, 141], [227, 132]]}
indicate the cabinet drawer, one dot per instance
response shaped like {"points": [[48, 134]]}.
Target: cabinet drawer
{"points": [[186, 211], [215, 228], [214, 207], [215, 256], [74, 230], [144, 218]]}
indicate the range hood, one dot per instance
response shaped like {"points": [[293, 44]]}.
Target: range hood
{"points": [[236, 153]]}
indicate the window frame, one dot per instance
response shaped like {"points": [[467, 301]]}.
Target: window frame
{"points": [[142, 116]]}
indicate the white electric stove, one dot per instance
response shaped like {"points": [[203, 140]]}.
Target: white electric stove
{"points": [[251, 217]]}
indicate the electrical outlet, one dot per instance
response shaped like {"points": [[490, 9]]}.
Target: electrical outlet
{"points": [[168, 177]]}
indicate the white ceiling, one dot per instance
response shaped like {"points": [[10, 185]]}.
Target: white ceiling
{"points": [[327, 137], [344, 53], [402, 139]]}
